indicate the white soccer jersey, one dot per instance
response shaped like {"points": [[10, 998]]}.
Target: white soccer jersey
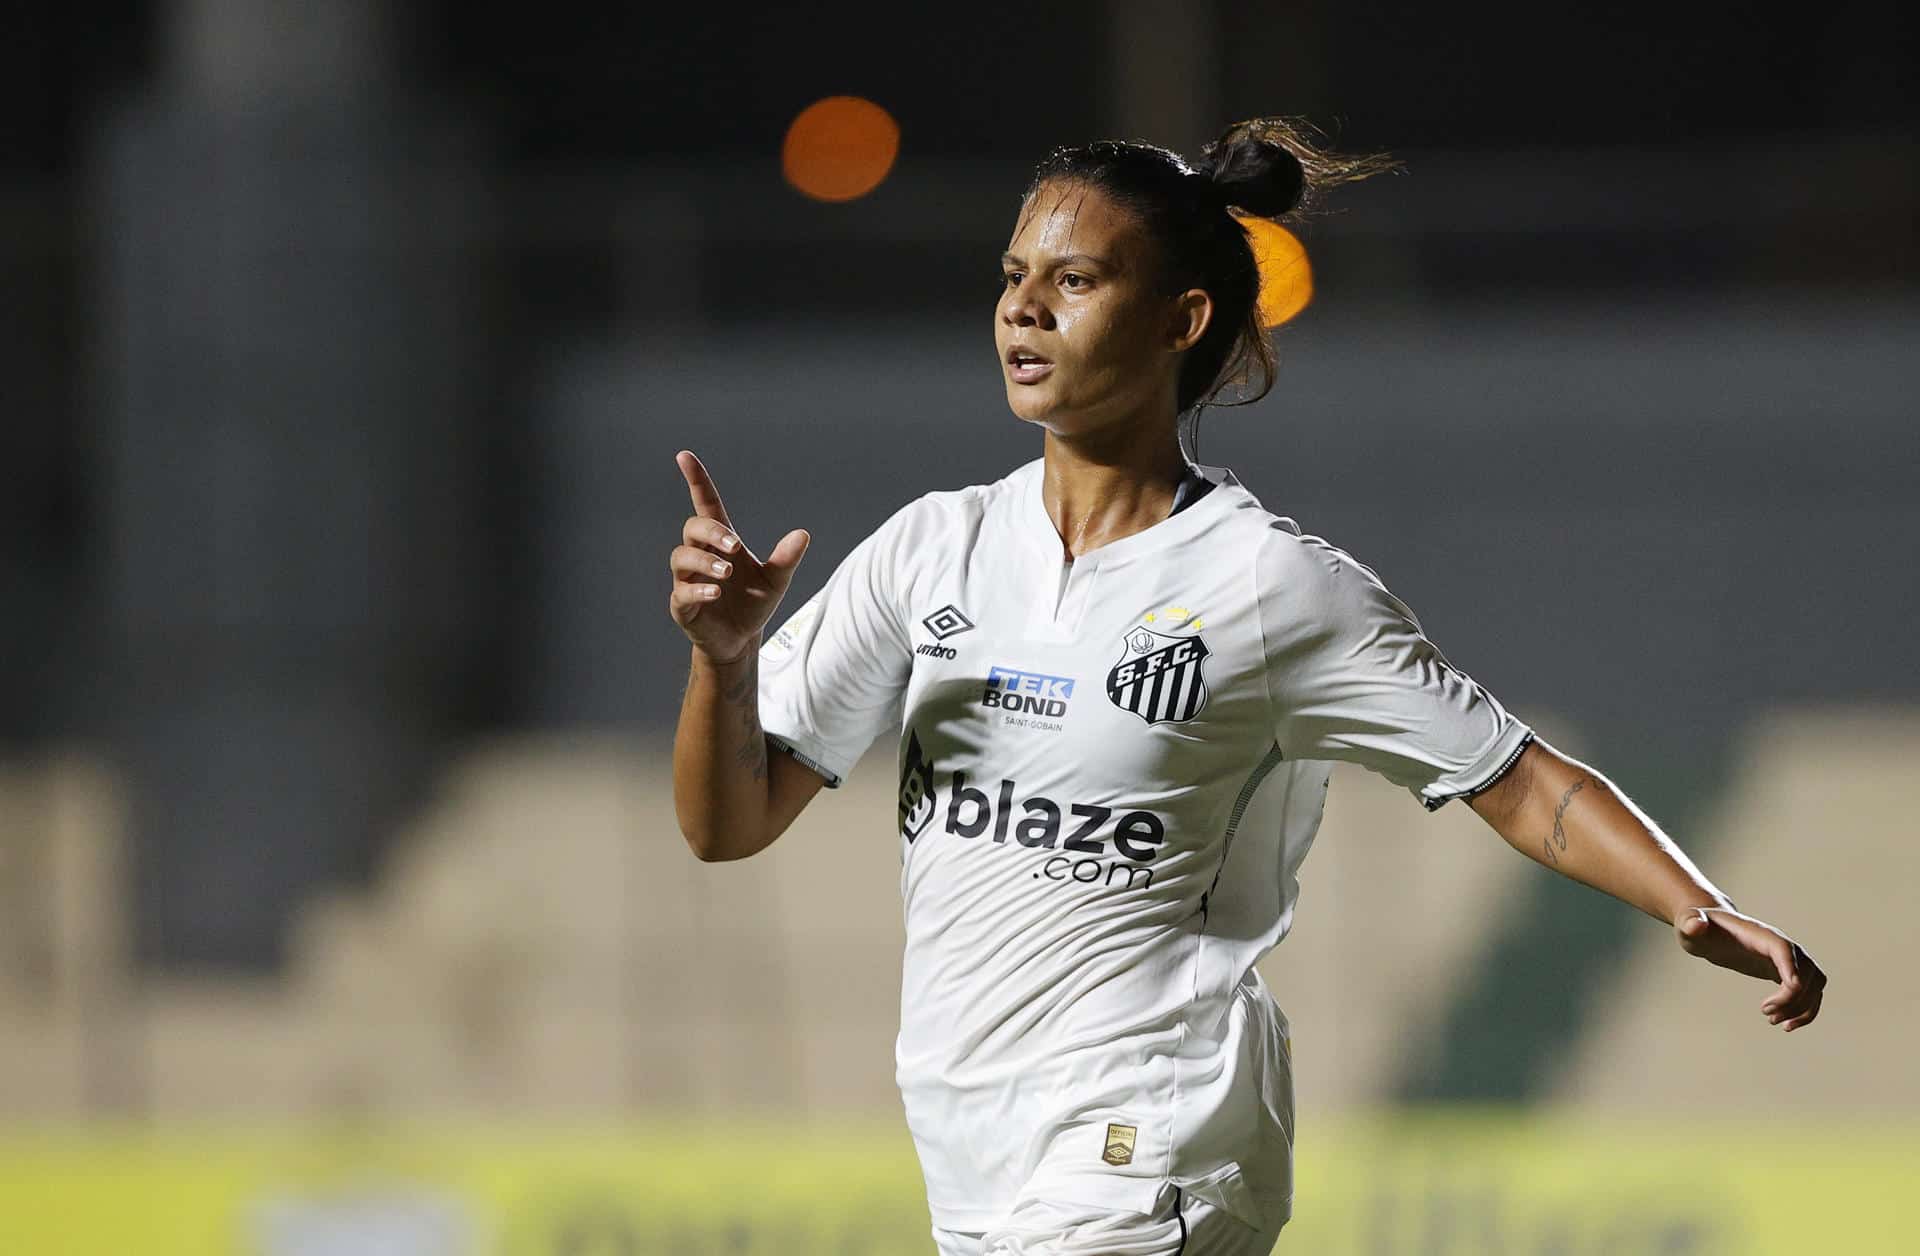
{"points": [[1110, 771]]}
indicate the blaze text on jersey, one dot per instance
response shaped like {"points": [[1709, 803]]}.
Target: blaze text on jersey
{"points": [[1079, 831], [1071, 839]]}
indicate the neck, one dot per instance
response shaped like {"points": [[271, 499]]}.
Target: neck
{"points": [[1099, 487]]}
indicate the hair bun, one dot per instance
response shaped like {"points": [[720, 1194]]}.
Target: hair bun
{"points": [[1253, 168]]}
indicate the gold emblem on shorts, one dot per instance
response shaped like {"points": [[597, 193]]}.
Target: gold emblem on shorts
{"points": [[1119, 1144]]}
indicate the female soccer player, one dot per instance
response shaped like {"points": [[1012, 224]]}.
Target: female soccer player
{"points": [[1119, 683]]}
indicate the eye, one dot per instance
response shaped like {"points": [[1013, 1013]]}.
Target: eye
{"points": [[1075, 281], [1011, 278]]}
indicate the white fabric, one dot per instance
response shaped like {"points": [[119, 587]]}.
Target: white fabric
{"points": [[1106, 794], [1183, 1225]]}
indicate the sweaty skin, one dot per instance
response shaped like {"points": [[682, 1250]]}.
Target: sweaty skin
{"points": [[1081, 288]]}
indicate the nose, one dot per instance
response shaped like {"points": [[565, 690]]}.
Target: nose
{"points": [[1021, 305]]}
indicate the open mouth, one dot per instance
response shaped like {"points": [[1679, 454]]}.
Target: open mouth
{"points": [[1026, 366]]}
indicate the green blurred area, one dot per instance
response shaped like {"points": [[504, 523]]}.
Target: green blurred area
{"points": [[1434, 1182]]}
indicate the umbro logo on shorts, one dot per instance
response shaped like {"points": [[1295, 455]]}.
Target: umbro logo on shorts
{"points": [[1119, 1149]]}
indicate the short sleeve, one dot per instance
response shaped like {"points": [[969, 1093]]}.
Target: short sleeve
{"points": [[1352, 677], [832, 676]]}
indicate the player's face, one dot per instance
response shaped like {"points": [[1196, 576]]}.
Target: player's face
{"points": [[1085, 337]]}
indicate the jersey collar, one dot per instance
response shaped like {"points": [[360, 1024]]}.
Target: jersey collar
{"points": [[1037, 528]]}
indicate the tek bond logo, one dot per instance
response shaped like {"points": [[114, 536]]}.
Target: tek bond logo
{"points": [[1027, 693]]}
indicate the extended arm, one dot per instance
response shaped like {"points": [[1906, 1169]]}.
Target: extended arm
{"points": [[732, 796], [1570, 818]]}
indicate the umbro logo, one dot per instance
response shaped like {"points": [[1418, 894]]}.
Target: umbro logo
{"points": [[948, 621]]}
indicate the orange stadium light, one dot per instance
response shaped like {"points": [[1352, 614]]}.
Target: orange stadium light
{"points": [[1286, 280], [840, 148]]}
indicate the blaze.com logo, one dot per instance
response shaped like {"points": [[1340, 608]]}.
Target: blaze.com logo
{"points": [[1070, 839]]}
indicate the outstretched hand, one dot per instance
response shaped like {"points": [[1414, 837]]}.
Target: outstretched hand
{"points": [[1725, 937]]}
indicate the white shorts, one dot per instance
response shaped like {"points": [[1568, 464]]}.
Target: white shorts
{"points": [[1181, 1226]]}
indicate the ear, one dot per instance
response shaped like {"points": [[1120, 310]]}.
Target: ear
{"points": [[1192, 315]]}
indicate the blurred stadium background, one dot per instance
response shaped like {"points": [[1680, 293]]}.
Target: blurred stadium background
{"points": [[341, 905]]}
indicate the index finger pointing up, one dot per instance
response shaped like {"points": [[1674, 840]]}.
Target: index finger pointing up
{"points": [[706, 498]]}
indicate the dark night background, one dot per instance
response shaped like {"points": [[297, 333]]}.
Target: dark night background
{"points": [[348, 347]]}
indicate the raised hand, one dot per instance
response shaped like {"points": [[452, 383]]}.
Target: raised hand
{"points": [[723, 596], [1725, 937]]}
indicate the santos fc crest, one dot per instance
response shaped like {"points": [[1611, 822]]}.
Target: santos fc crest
{"points": [[1159, 677]]}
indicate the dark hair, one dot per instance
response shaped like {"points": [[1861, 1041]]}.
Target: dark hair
{"points": [[1264, 167]]}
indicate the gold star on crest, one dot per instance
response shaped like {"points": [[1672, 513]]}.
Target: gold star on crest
{"points": [[1179, 616]]}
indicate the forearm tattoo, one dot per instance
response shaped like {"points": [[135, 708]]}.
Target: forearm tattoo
{"points": [[743, 694], [1557, 840]]}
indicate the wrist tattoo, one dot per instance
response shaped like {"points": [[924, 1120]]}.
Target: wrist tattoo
{"points": [[1557, 840], [743, 694]]}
